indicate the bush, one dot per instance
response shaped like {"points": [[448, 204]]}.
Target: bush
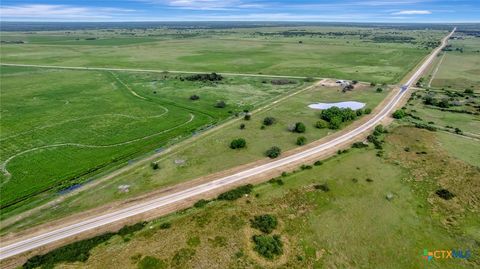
{"points": [[359, 145], [247, 116], [194, 97], [445, 194], [205, 77], [359, 112], [149, 262], [273, 152], [321, 124], [220, 104], [238, 143], [269, 121], [242, 126], [154, 165], [236, 193], [335, 123], [268, 246], [299, 127], [458, 131], [379, 90], [367, 111], [265, 223], [399, 114], [200, 203], [181, 257], [318, 163], [322, 187], [468, 91], [301, 140], [165, 225]]}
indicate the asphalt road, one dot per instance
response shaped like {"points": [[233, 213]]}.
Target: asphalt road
{"points": [[95, 222]]}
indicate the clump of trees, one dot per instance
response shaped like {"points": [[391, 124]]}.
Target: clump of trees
{"points": [[269, 121], [238, 143], [273, 152], [336, 116], [265, 223], [236, 193], [268, 246], [205, 77]]}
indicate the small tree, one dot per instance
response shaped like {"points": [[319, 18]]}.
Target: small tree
{"points": [[379, 90], [154, 165], [321, 124], [273, 152], [247, 116], [265, 223], [335, 123], [367, 111], [268, 246], [242, 126], [220, 104], [238, 143], [301, 140], [269, 121], [300, 127], [398, 114]]}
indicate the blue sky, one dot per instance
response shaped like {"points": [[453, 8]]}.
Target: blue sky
{"points": [[242, 10]]}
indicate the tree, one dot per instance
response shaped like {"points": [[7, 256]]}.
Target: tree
{"points": [[367, 111], [238, 143], [301, 140], [265, 223], [194, 97], [398, 114], [247, 116], [379, 90], [335, 123], [321, 124], [359, 112], [299, 127], [273, 152], [269, 121], [242, 126], [220, 104]]}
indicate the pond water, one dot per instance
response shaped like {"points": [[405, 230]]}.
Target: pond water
{"points": [[348, 104]]}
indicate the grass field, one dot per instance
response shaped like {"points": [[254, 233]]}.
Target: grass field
{"points": [[274, 50], [352, 225], [61, 127], [460, 69], [209, 154], [464, 149]]}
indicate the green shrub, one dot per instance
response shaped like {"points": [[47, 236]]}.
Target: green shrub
{"points": [[269, 121], [359, 145], [268, 246], [238, 143], [318, 163], [379, 90], [149, 262], [299, 127], [200, 203], [301, 140], [367, 111], [322, 187], [165, 225], [220, 104], [399, 114], [247, 116], [273, 152], [182, 256], [265, 223], [154, 165], [321, 124], [236, 193]]}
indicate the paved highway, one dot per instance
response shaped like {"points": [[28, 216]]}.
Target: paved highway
{"points": [[95, 222]]}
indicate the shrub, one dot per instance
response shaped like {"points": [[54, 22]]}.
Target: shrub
{"points": [[335, 123], [359, 112], [468, 91], [205, 77], [367, 111], [299, 127], [265, 223], [309, 79], [273, 152], [318, 163], [200, 203], [182, 256], [321, 124], [458, 131], [399, 114], [322, 187], [379, 90], [301, 140], [236, 193], [154, 165], [359, 145], [305, 167], [269, 121], [247, 116], [268, 246], [238, 143], [220, 104], [242, 126], [194, 97], [445, 194], [149, 262], [165, 225]]}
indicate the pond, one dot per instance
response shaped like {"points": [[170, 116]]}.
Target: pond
{"points": [[348, 104]]}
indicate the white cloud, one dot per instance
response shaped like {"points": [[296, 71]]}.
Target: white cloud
{"points": [[412, 12], [59, 12]]}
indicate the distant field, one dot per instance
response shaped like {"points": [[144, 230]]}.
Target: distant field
{"points": [[60, 127], [211, 153], [460, 69], [351, 225], [350, 53]]}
